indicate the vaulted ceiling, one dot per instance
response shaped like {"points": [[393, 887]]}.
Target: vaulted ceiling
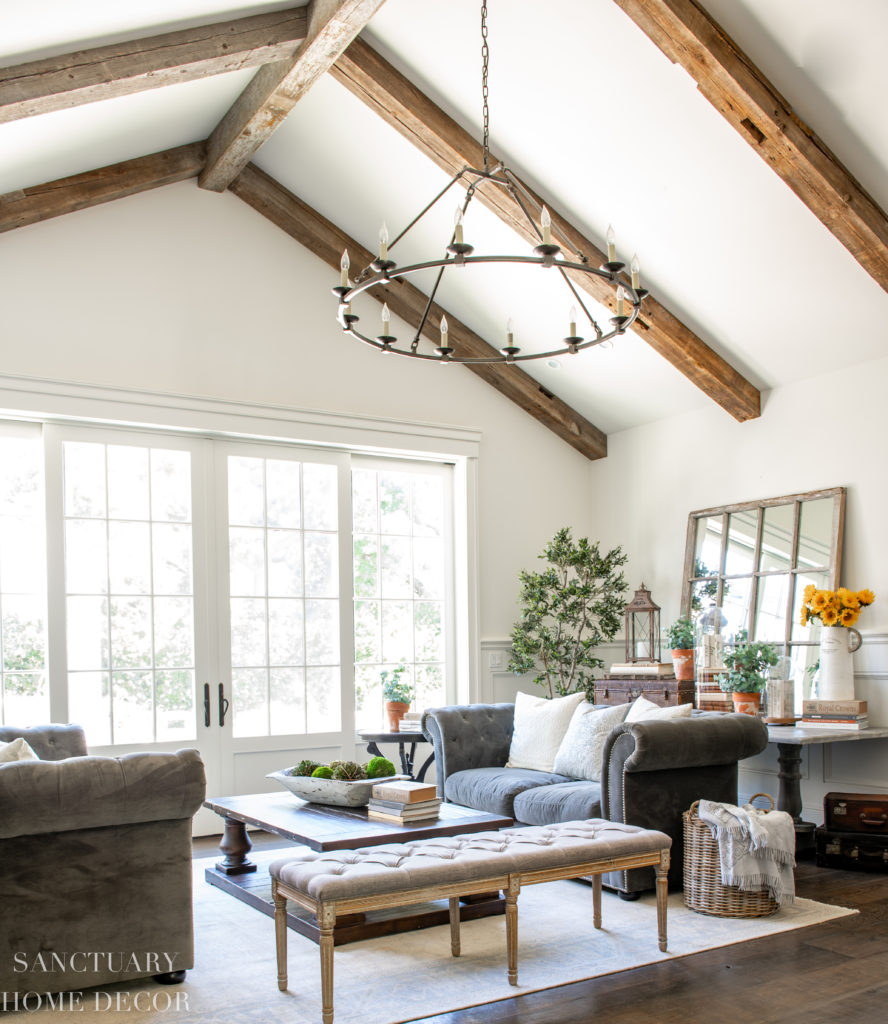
{"points": [[739, 147]]}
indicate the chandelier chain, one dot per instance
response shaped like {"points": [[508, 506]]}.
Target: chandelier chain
{"points": [[485, 92]]}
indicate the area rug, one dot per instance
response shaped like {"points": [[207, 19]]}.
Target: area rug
{"points": [[394, 979]]}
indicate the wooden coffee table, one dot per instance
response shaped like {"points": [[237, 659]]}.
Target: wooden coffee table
{"points": [[323, 828]]}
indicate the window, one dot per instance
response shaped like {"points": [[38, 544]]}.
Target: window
{"points": [[24, 694], [402, 582]]}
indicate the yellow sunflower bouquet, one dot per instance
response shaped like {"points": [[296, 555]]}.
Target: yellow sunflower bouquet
{"points": [[834, 607]]}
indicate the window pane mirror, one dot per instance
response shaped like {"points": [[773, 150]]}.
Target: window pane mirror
{"points": [[755, 558]]}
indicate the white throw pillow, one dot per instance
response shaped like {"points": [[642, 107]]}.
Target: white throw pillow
{"points": [[579, 755], [540, 725], [643, 710], [17, 750]]}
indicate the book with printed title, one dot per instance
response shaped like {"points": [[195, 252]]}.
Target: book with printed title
{"points": [[404, 792]]}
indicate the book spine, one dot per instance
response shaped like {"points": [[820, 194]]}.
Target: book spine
{"points": [[835, 718], [388, 791], [398, 819], [394, 805], [850, 726], [836, 707]]}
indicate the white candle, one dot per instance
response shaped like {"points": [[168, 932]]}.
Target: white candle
{"points": [[546, 225], [386, 320], [383, 242], [634, 267], [343, 266], [444, 329], [458, 226], [509, 335], [572, 316], [621, 297], [611, 244]]}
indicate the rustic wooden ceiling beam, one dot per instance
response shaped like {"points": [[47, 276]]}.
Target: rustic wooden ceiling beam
{"points": [[80, 191], [753, 107], [119, 69], [326, 241], [403, 106], [276, 88]]}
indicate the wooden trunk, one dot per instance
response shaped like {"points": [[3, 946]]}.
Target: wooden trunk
{"points": [[864, 813], [667, 693], [852, 851]]}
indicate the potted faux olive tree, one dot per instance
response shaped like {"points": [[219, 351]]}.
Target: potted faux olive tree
{"points": [[680, 637], [397, 695], [747, 664]]}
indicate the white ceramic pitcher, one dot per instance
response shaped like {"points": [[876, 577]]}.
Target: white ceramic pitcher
{"points": [[836, 676]]}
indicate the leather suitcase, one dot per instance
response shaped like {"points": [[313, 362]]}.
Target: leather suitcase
{"points": [[851, 851], [624, 689], [856, 812]]}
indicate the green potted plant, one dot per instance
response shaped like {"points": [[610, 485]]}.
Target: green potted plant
{"points": [[568, 610], [397, 695], [680, 637], [747, 666]]}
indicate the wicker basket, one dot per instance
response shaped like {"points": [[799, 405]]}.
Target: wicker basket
{"points": [[703, 889]]}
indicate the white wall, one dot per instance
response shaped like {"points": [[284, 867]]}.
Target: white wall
{"points": [[185, 291], [826, 431]]}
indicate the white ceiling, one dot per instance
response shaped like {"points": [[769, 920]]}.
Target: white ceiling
{"points": [[587, 110]]}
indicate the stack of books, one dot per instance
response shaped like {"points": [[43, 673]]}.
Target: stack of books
{"points": [[834, 714], [403, 803], [643, 669]]}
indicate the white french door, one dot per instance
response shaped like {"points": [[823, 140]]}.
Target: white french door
{"points": [[165, 590]]}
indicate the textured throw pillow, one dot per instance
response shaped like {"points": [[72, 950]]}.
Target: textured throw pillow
{"points": [[17, 750], [643, 710], [540, 725], [579, 755]]}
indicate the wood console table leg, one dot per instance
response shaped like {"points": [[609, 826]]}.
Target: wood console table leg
{"points": [[789, 797], [235, 845]]}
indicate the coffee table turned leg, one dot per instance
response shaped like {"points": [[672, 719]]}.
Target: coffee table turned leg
{"points": [[235, 845]]}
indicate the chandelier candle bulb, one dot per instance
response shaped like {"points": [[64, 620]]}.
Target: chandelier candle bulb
{"points": [[634, 267], [383, 242], [445, 327], [611, 244], [509, 334], [458, 226], [573, 321], [546, 225], [386, 319], [621, 298], [344, 265]]}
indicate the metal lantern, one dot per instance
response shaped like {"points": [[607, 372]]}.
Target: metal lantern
{"points": [[642, 628]]}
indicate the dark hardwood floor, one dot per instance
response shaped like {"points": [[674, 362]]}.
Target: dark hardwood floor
{"points": [[835, 973]]}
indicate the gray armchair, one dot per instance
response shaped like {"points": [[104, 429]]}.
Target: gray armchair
{"points": [[95, 858], [651, 772]]}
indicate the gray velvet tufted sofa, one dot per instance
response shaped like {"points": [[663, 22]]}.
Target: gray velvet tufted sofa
{"points": [[651, 772], [95, 864]]}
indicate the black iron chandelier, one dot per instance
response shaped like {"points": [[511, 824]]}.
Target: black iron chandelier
{"points": [[628, 295]]}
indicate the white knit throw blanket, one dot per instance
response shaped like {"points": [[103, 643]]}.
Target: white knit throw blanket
{"points": [[756, 848]]}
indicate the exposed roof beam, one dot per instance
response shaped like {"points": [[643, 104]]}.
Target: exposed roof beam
{"points": [[326, 241], [118, 69], [753, 106], [80, 191], [276, 88], [395, 99]]}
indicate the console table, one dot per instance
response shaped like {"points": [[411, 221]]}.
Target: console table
{"points": [[790, 739], [404, 738]]}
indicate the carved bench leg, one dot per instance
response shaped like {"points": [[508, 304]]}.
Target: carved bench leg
{"points": [[326, 921], [453, 904], [280, 934], [662, 895], [512, 927]]}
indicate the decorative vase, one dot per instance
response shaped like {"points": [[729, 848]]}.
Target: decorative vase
{"points": [[396, 709], [835, 680], [683, 663], [746, 703]]}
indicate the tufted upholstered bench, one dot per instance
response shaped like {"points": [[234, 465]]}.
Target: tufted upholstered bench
{"points": [[378, 877]]}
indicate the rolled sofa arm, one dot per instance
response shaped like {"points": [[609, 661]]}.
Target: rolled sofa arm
{"points": [[39, 797], [468, 736]]}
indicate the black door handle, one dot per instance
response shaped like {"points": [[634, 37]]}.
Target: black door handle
{"points": [[224, 704], [207, 705]]}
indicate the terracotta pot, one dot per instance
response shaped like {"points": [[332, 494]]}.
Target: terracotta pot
{"points": [[683, 662], [395, 709], [747, 703]]}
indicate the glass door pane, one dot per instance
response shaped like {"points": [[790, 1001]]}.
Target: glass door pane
{"points": [[129, 592], [283, 569], [24, 695]]}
